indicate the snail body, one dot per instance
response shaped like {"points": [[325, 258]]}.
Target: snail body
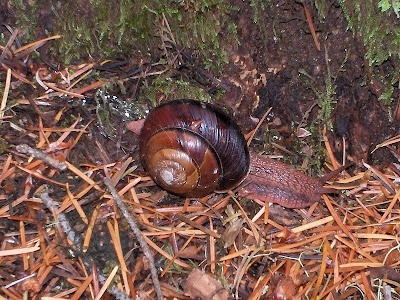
{"points": [[272, 181], [191, 149]]}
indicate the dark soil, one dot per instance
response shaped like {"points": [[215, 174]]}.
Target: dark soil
{"points": [[359, 118]]}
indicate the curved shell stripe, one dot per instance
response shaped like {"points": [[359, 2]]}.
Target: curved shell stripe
{"points": [[197, 139]]}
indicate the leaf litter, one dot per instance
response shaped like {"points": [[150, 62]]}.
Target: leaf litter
{"points": [[63, 236]]}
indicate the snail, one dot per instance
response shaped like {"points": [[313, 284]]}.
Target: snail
{"points": [[191, 149]]}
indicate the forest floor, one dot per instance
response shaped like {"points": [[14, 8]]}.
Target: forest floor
{"points": [[61, 231]]}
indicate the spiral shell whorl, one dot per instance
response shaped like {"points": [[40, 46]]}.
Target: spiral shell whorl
{"points": [[191, 149]]}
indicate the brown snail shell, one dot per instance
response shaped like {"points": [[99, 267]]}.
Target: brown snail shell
{"points": [[190, 148]]}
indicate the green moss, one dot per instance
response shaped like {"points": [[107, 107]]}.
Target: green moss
{"points": [[67, 120], [174, 268], [315, 162], [325, 98], [259, 6], [3, 39], [322, 8], [25, 14], [108, 268], [174, 89], [385, 5], [128, 28], [3, 145], [373, 22]]}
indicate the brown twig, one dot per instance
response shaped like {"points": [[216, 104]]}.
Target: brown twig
{"points": [[5, 93], [43, 156], [138, 234], [198, 226], [8, 45], [77, 242]]}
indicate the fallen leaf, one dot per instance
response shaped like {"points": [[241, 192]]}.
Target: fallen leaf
{"points": [[200, 285]]}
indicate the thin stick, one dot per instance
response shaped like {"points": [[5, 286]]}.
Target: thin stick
{"points": [[27, 49], [54, 87], [89, 231], [198, 226], [311, 25], [18, 251], [77, 242], [43, 156], [252, 133], [8, 45], [135, 228], [107, 283], [23, 244], [176, 255], [5, 94]]}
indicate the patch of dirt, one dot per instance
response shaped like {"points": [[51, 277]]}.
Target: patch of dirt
{"points": [[264, 72]]}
